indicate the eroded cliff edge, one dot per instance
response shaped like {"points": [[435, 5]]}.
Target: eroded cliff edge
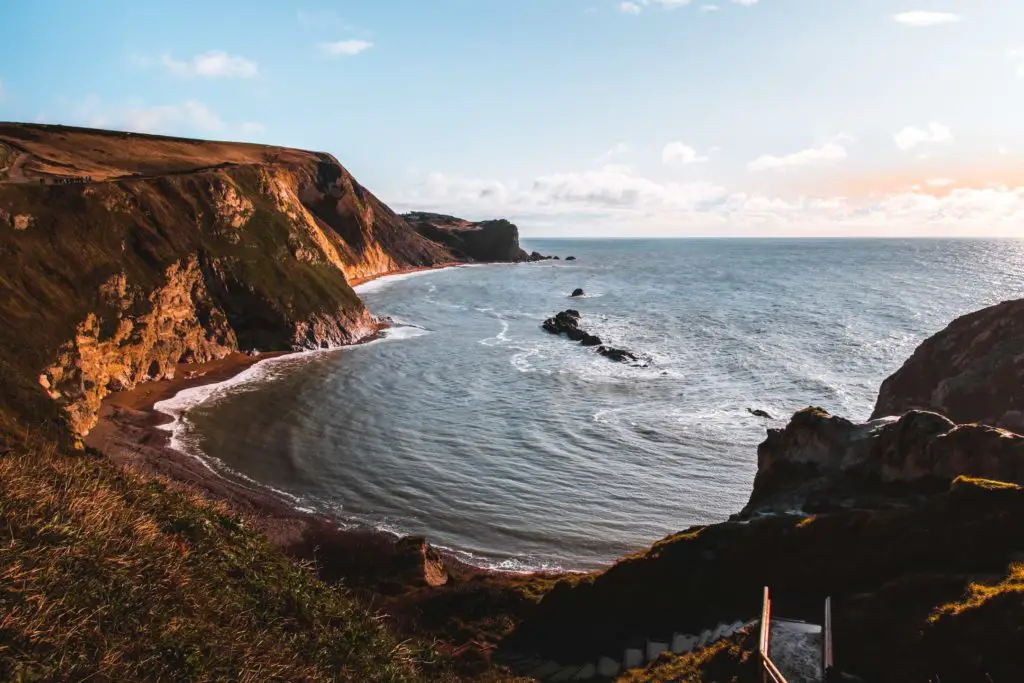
{"points": [[128, 254]]}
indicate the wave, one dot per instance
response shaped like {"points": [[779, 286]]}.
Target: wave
{"points": [[384, 280], [178, 406]]}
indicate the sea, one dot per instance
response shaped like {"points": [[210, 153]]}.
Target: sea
{"points": [[519, 450]]}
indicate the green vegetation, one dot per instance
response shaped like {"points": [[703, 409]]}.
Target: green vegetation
{"points": [[109, 576]]}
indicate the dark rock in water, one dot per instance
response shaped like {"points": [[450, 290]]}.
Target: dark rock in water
{"points": [[577, 292], [570, 258], [620, 355], [760, 413], [567, 322], [555, 258]]}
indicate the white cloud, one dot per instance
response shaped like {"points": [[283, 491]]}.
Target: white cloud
{"points": [[746, 3], [610, 188], [708, 8], [190, 114], [912, 136], [921, 19], [346, 47], [830, 152], [606, 201], [678, 154], [212, 64], [940, 182], [188, 117], [629, 8]]}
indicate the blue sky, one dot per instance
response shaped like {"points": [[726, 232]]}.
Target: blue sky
{"points": [[576, 117]]}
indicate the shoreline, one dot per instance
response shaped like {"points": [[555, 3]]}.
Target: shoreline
{"points": [[131, 431]]}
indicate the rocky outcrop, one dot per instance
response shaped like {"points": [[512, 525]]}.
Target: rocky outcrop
{"points": [[820, 459], [568, 323], [972, 371], [576, 292], [483, 241], [170, 251]]}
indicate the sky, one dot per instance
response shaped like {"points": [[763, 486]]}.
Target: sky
{"points": [[605, 118]]}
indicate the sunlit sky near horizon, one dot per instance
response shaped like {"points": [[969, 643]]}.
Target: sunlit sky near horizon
{"points": [[576, 117]]}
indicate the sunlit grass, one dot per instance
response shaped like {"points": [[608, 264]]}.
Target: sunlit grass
{"points": [[978, 593], [105, 575]]}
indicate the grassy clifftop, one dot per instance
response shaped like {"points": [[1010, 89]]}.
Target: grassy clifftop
{"points": [[108, 576]]}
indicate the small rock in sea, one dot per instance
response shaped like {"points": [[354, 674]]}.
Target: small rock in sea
{"points": [[620, 355], [577, 292], [570, 258], [760, 413], [555, 258]]}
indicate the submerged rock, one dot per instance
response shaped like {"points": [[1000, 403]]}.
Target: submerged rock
{"points": [[620, 355], [760, 413], [577, 292], [570, 258]]}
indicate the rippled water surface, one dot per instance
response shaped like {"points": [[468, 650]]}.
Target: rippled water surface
{"points": [[473, 426]]}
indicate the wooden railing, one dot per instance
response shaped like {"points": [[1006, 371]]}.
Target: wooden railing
{"points": [[769, 672]]}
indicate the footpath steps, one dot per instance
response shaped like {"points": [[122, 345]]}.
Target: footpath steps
{"points": [[608, 667]]}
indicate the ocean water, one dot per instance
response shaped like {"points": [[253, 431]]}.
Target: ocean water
{"points": [[518, 449]]}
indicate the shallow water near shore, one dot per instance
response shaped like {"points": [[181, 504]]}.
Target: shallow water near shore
{"points": [[521, 450]]}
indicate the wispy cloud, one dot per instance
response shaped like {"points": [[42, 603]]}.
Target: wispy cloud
{"points": [[830, 152], [629, 8], [187, 117], [610, 197], [912, 136], [708, 8], [345, 47], [212, 64], [920, 19], [679, 154]]}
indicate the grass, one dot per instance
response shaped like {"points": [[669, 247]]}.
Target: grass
{"points": [[729, 660], [980, 592], [105, 575]]}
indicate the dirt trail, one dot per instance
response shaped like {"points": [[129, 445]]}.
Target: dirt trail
{"points": [[16, 173]]}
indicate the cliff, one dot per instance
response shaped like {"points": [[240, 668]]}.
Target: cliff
{"points": [[821, 461], [971, 371], [485, 241], [126, 254]]}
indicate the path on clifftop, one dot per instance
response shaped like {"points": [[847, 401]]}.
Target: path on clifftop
{"points": [[16, 172]]}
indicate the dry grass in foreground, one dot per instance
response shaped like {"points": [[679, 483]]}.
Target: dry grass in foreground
{"points": [[105, 575]]}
